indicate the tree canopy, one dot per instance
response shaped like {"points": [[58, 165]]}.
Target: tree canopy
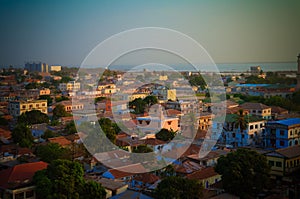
{"points": [[52, 151], [64, 179], [108, 128], [165, 135], [33, 117], [22, 135], [244, 172], [178, 188], [142, 149], [59, 111]]}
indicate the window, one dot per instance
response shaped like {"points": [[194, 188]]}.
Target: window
{"points": [[233, 135], [243, 135], [291, 132], [281, 143], [169, 122], [251, 127], [24, 106], [278, 164], [271, 163], [29, 194], [256, 126], [281, 132]]}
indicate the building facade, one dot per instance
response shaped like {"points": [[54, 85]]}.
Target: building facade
{"points": [[283, 133], [16, 108], [37, 67], [70, 86]]}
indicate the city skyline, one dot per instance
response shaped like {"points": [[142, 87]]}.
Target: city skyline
{"points": [[232, 32]]}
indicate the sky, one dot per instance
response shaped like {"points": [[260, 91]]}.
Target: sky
{"points": [[65, 31]]}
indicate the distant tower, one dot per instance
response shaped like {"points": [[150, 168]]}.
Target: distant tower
{"points": [[298, 74]]}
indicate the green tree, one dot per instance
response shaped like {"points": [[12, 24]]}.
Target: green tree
{"points": [[150, 100], [59, 111], [3, 121], [64, 179], [197, 80], [138, 105], [61, 179], [165, 135], [33, 117], [62, 98], [167, 171], [108, 128], [46, 97], [70, 128], [142, 149], [52, 151], [92, 190], [244, 172], [178, 188], [241, 123], [22, 135], [48, 134]]}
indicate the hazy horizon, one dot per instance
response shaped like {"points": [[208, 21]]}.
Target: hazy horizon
{"points": [[64, 32]]}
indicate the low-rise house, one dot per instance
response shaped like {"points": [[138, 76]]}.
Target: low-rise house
{"points": [[284, 161], [278, 112], [16, 182], [70, 105], [283, 133], [144, 181], [156, 121], [206, 176], [61, 140], [257, 109], [124, 174], [210, 159]]}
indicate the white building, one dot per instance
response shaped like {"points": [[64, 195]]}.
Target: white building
{"points": [[70, 86]]}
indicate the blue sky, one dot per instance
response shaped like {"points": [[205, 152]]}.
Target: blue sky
{"points": [[64, 32]]}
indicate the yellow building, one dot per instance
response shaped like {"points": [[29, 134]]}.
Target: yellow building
{"points": [[55, 68], [16, 108], [284, 161], [137, 95], [45, 91]]}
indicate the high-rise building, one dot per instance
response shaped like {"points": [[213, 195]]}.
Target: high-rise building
{"points": [[38, 67]]}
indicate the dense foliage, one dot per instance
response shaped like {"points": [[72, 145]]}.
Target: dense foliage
{"points": [[22, 135], [59, 111], [64, 179], [178, 188], [244, 172], [33, 117], [52, 151], [165, 135]]}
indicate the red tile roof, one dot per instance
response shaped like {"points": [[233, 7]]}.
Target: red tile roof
{"points": [[253, 105], [126, 171], [203, 174], [147, 178], [62, 141], [19, 175]]}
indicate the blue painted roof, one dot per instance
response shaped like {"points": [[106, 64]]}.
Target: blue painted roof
{"points": [[289, 122], [252, 85]]}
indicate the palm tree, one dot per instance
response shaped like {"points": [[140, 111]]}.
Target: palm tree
{"points": [[241, 123]]}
